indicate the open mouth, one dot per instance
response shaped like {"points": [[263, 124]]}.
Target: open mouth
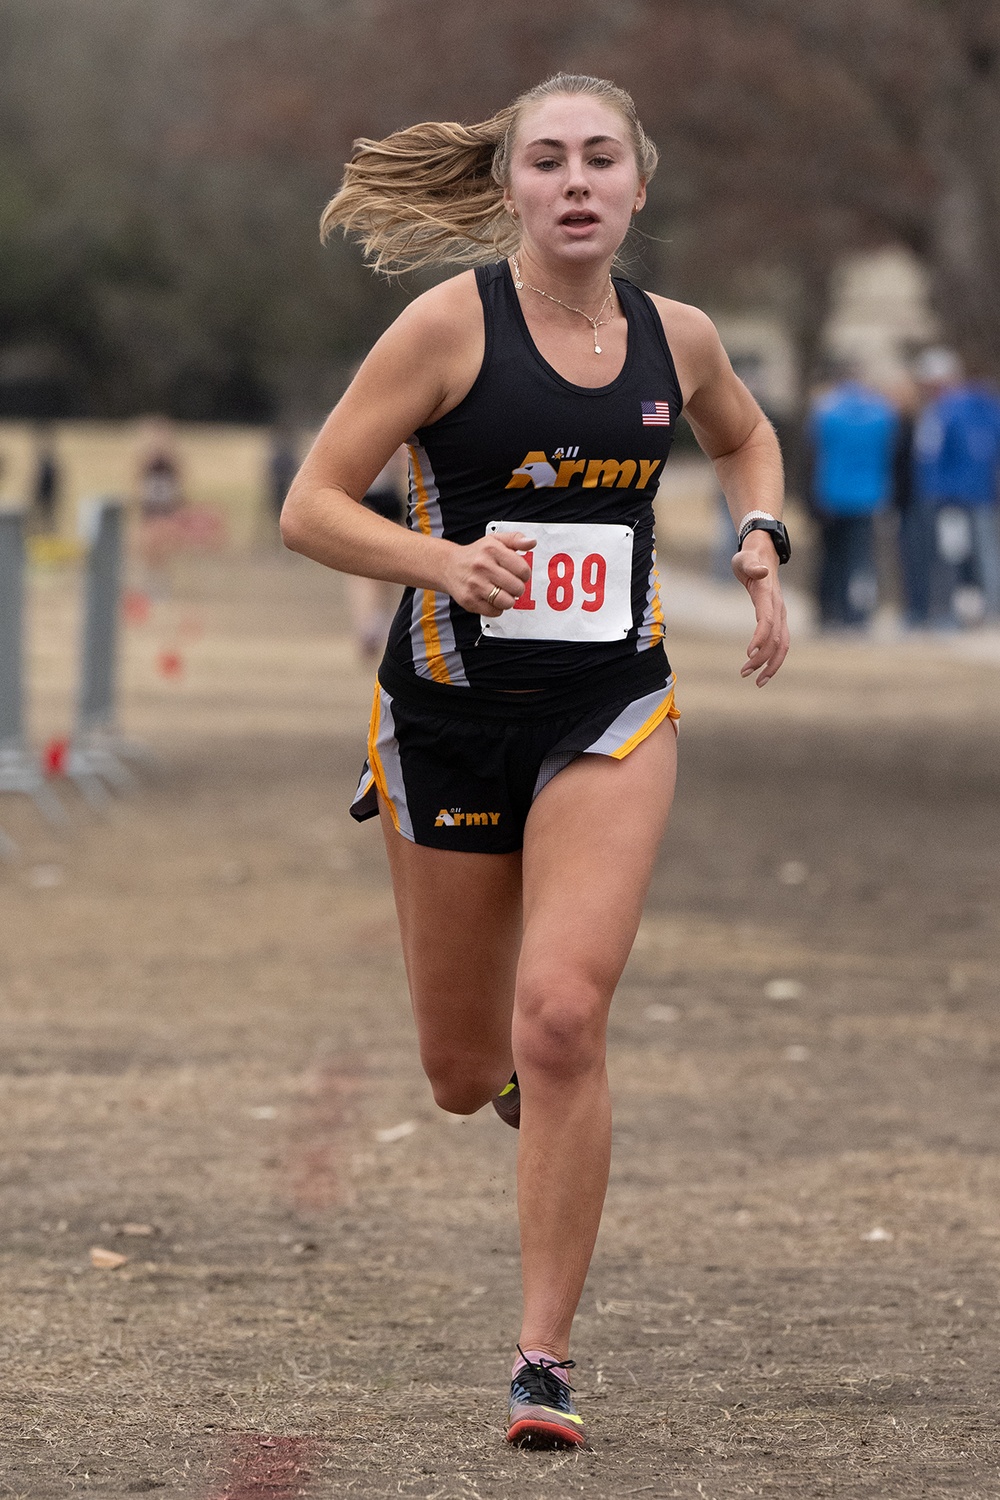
{"points": [[579, 218]]}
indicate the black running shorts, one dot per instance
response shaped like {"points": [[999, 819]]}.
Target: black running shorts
{"points": [[468, 783]]}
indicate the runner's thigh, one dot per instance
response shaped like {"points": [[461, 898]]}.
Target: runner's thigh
{"points": [[589, 847], [460, 923]]}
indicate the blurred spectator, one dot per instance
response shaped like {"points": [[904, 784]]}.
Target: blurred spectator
{"points": [[957, 481], [852, 439], [915, 535], [282, 467], [46, 479], [373, 601], [159, 471], [161, 497]]}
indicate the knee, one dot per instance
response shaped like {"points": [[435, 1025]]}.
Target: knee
{"points": [[460, 1085], [560, 1025]]}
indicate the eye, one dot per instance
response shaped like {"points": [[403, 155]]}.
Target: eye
{"points": [[602, 161], [546, 163]]}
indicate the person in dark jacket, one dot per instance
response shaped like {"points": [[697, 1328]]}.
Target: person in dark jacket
{"points": [[46, 479]]}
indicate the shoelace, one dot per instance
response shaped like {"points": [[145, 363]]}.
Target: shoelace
{"points": [[541, 1384]]}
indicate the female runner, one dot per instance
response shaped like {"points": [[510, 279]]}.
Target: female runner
{"points": [[522, 748]]}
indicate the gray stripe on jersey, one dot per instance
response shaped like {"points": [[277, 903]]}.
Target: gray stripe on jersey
{"points": [[424, 513]]}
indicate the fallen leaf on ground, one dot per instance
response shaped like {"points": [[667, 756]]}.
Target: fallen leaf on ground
{"points": [[396, 1132], [796, 1053], [106, 1260], [783, 989]]}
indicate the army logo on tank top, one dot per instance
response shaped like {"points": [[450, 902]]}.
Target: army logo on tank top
{"points": [[621, 473]]}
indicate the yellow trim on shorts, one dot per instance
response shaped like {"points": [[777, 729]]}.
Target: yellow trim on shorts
{"points": [[666, 710], [375, 760], [428, 621]]}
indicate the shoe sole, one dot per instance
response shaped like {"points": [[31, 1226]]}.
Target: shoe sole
{"points": [[510, 1116], [530, 1432]]}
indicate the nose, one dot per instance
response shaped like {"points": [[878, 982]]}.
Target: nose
{"points": [[576, 185]]}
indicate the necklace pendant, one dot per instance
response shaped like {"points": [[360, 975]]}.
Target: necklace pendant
{"points": [[598, 349], [519, 285]]}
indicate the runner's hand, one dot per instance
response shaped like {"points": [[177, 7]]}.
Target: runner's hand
{"points": [[474, 571], [756, 567]]}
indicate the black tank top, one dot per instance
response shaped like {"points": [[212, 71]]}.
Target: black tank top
{"points": [[526, 447]]}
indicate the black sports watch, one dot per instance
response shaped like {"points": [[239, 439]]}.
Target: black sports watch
{"points": [[777, 531]]}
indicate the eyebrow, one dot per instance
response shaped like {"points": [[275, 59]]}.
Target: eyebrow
{"points": [[592, 140]]}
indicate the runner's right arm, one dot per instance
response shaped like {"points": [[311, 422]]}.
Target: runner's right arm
{"points": [[420, 368]]}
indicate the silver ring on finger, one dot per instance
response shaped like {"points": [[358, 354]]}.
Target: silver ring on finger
{"points": [[493, 595]]}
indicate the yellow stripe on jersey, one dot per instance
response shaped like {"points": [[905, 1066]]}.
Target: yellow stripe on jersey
{"points": [[428, 609], [666, 710], [656, 630], [420, 508], [375, 760]]}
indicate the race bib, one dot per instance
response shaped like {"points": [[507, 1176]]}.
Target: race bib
{"points": [[580, 587]]}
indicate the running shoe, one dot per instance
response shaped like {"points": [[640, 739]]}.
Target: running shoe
{"points": [[508, 1103], [542, 1414]]}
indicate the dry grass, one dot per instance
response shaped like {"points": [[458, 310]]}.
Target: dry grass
{"points": [[206, 1027]]}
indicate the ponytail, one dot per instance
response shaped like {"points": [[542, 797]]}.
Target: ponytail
{"points": [[425, 196]]}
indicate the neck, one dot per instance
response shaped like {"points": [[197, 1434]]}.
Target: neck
{"points": [[584, 285]]}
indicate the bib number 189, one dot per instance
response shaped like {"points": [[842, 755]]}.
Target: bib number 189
{"points": [[580, 586], [564, 583]]}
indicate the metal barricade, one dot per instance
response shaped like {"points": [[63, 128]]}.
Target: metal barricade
{"points": [[19, 768], [98, 753]]}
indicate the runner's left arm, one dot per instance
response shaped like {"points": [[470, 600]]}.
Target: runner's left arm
{"points": [[735, 434]]}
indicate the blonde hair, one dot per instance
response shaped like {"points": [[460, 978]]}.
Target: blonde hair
{"points": [[433, 194]]}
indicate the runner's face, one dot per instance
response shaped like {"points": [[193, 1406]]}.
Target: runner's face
{"points": [[573, 179]]}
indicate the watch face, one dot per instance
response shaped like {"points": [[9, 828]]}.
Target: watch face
{"points": [[778, 533]]}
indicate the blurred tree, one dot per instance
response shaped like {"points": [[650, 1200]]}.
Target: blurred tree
{"points": [[164, 166]]}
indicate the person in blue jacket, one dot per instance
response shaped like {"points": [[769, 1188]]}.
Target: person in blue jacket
{"points": [[957, 475], [853, 432]]}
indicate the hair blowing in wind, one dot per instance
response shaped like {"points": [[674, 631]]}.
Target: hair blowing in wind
{"points": [[433, 194]]}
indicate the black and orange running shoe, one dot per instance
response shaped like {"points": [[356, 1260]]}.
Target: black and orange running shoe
{"points": [[508, 1103], [542, 1414]]}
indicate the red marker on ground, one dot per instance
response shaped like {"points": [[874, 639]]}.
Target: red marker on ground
{"points": [[259, 1466], [170, 664], [54, 757], [316, 1170]]}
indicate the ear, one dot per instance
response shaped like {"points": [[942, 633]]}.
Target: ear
{"points": [[640, 195]]}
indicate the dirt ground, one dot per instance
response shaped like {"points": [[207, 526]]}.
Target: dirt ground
{"points": [[207, 1038]]}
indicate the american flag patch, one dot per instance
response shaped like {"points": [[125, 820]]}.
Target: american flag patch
{"points": [[655, 413]]}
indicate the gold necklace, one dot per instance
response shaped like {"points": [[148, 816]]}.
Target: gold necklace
{"points": [[595, 323]]}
